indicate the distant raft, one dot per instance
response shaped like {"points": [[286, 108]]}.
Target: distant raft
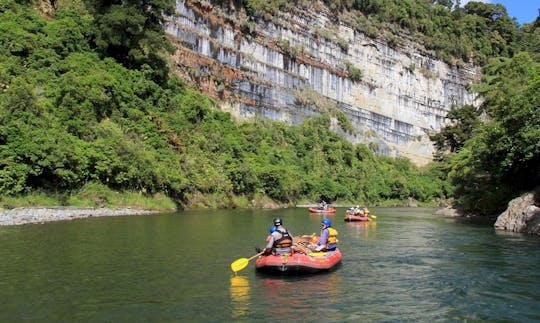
{"points": [[329, 210], [351, 218]]}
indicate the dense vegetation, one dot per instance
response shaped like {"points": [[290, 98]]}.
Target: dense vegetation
{"points": [[492, 153], [472, 33], [87, 103], [492, 162]]}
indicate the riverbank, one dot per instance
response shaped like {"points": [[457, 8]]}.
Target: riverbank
{"points": [[29, 215], [35, 214]]}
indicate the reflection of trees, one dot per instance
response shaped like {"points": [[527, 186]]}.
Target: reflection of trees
{"points": [[239, 296]]}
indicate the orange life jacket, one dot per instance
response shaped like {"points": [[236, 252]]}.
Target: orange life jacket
{"points": [[285, 241]]}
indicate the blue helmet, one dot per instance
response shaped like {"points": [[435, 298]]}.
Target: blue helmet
{"points": [[272, 229], [326, 222]]}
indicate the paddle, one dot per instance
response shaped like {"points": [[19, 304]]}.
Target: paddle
{"points": [[242, 263], [373, 216], [302, 247]]}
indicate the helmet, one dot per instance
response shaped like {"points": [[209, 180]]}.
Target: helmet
{"points": [[272, 229], [326, 222], [277, 221], [358, 206]]}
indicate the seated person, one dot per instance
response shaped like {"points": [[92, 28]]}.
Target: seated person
{"points": [[328, 239], [279, 241]]}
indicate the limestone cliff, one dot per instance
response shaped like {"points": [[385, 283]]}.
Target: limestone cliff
{"points": [[303, 63]]}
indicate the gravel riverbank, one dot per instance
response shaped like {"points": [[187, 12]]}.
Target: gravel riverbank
{"points": [[27, 215]]}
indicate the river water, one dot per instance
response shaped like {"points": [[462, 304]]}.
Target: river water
{"points": [[408, 265]]}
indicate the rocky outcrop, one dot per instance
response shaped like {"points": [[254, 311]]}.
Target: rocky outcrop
{"points": [[305, 62], [522, 215]]}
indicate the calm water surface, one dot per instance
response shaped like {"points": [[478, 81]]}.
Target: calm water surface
{"points": [[408, 265]]}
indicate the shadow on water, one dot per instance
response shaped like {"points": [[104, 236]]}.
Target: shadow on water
{"points": [[477, 220], [298, 274]]}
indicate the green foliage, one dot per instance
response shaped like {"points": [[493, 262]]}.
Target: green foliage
{"points": [[266, 9], [131, 31], [291, 51], [529, 39], [512, 133], [355, 74], [473, 33], [83, 127], [502, 158], [93, 194], [463, 121], [69, 33], [343, 121]]}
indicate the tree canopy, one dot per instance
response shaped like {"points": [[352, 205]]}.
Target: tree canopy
{"points": [[131, 31], [496, 160], [83, 102]]}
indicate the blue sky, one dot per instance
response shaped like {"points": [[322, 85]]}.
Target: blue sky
{"points": [[525, 11]]}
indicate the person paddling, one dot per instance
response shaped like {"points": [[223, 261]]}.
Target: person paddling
{"points": [[279, 241]]}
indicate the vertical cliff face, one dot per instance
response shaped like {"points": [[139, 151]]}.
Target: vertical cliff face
{"points": [[305, 64]]}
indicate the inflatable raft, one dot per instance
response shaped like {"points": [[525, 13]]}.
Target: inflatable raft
{"points": [[350, 218], [299, 263], [329, 210]]}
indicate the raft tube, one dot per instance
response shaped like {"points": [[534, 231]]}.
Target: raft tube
{"points": [[351, 218], [330, 210], [299, 263]]}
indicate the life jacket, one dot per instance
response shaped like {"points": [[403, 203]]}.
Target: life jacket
{"points": [[285, 241], [332, 236]]}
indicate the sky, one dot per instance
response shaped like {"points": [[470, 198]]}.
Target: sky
{"points": [[525, 11]]}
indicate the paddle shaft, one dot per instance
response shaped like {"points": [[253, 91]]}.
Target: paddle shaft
{"points": [[242, 263], [257, 255]]}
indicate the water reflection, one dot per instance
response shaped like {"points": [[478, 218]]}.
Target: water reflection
{"points": [[407, 266], [363, 229], [240, 299], [291, 297]]}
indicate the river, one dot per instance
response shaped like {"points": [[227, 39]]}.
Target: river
{"points": [[406, 266]]}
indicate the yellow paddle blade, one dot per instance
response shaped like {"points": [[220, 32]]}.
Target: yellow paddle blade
{"points": [[239, 264], [317, 254], [373, 216]]}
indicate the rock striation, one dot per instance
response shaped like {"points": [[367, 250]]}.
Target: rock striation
{"points": [[394, 93]]}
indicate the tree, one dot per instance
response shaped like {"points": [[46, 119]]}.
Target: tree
{"points": [[451, 138], [132, 32], [502, 159]]}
